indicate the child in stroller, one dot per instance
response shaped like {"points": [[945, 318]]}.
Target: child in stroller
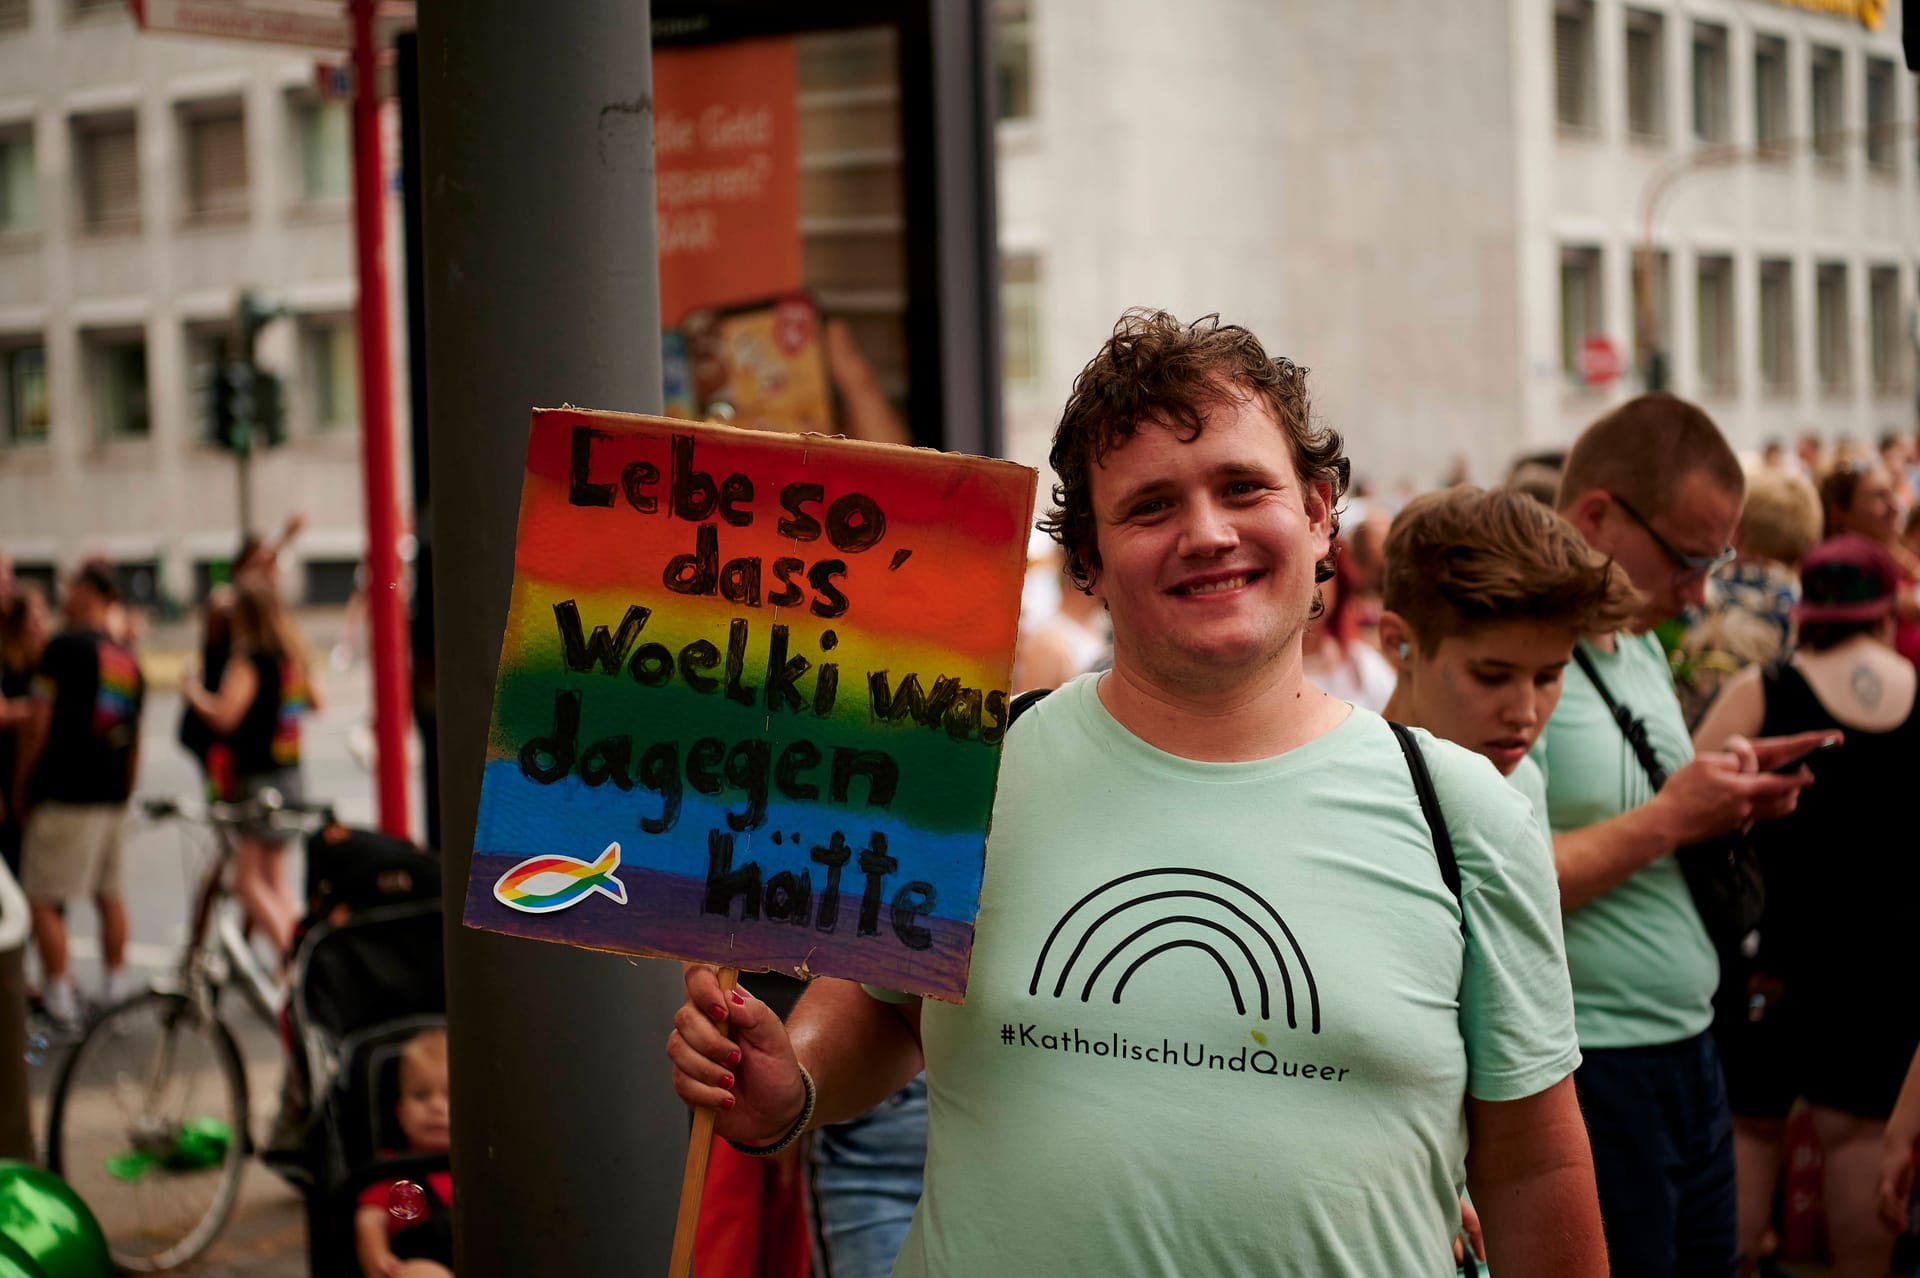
{"points": [[395, 1236], [368, 979]]}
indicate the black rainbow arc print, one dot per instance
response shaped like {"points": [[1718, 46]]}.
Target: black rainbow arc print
{"points": [[1094, 949]]}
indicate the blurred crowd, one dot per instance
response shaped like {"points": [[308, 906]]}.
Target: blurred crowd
{"points": [[72, 698]]}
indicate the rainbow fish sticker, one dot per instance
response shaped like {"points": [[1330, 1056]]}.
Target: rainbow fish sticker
{"points": [[544, 884]]}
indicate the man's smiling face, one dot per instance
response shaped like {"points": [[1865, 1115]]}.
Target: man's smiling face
{"points": [[1206, 548]]}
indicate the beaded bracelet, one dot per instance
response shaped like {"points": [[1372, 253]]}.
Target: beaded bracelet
{"points": [[794, 1132]]}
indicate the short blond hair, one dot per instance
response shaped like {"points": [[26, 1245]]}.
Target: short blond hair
{"points": [[1782, 518], [426, 1050], [1466, 558]]}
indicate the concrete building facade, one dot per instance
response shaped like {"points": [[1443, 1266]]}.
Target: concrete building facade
{"points": [[145, 182], [1435, 213]]}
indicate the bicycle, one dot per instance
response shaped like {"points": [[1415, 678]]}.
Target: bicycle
{"points": [[149, 1115]]}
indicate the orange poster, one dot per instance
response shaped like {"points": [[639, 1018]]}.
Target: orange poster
{"points": [[726, 158]]}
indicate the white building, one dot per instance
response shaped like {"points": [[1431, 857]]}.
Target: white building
{"points": [[1433, 207], [145, 181]]}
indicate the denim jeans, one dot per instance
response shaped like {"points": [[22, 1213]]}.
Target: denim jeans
{"points": [[1662, 1139], [866, 1183]]}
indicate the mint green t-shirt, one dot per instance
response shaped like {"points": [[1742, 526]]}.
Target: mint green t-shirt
{"points": [[1643, 970], [1221, 1017], [1530, 781]]}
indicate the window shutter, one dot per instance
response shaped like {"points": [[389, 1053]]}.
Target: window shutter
{"points": [[1568, 65], [219, 157], [112, 175]]}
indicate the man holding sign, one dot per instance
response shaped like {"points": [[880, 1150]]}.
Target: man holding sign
{"points": [[1226, 1012]]}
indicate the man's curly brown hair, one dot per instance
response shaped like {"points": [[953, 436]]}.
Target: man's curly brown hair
{"points": [[1154, 369]]}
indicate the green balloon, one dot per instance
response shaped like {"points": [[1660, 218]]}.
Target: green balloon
{"points": [[45, 1230]]}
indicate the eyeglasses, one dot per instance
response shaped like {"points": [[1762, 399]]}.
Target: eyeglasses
{"points": [[1685, 567]]}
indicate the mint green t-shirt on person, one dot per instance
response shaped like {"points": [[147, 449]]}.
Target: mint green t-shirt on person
{"points": [[1530, 781], [1221, 1017], [1525, 778], [1643, 969]]}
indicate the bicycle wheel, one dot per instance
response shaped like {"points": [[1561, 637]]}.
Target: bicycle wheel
{"points": [[149, 1126]]}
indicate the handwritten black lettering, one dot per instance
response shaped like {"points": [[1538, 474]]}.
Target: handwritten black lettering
{"points": [[580, 490]]}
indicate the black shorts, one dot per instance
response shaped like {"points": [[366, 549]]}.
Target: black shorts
{"points": [[1828, 1041]]}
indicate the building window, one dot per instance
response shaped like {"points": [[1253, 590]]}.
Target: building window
{"points": [[1828, 96], [1573, 64], [1711, 88], [1880, 115], [1580, 309], [1776, 325], [1830, 326], [1770, 119], [332, 365], [321, 140], [1883, 316], [1013, 58], [1646, 77], [1019, 318], [19, 184], [204, 345], [117, 379], [329, 581], [14, 14], [23, 365], [108, 153], [139, 581], [215, 145], [1713, 316], [1659, 303]]}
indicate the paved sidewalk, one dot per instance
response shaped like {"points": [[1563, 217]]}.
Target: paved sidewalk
{"points": [[267, 1237]]}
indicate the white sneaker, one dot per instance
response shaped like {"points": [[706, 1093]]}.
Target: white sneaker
{"points": [[61, 1002], [63, 1009], [119, 984]]}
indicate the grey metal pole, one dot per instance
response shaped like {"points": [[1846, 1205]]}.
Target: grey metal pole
{"points": [[541, 288]]}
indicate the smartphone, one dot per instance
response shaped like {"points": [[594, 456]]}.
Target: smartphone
{"points": [[1793, 765]]}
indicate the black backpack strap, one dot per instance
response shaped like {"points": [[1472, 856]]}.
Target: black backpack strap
{"points": [[1630, 726], [1436, 819], [1025, 701]]}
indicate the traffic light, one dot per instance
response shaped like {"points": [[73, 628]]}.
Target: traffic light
{"points": [[246, 404], [216, 404], [269, 408]]}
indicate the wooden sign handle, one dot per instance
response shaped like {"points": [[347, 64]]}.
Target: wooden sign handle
{"points": [[699, 1147]]}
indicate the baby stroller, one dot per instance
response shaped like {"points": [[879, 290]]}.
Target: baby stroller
{"points": [[368, 974]]}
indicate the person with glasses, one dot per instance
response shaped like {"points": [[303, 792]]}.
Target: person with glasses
{"points": [[1653, 486]]}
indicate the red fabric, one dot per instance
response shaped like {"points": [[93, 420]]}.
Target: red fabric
{"points": [[375, 1195], [1805, 1234], [753, 1217]]}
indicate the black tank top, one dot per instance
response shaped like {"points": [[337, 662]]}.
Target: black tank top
{"points": [[1843, 869], [252, 737]]}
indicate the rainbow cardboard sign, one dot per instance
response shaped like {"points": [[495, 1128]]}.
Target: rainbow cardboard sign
{"points": [[751, 698]]}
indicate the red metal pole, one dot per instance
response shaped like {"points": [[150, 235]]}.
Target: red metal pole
{"points": [[386, 606]]}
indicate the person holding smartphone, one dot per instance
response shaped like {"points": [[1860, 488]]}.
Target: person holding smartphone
{"points": [[1807, 1018], [1654, 486]]}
